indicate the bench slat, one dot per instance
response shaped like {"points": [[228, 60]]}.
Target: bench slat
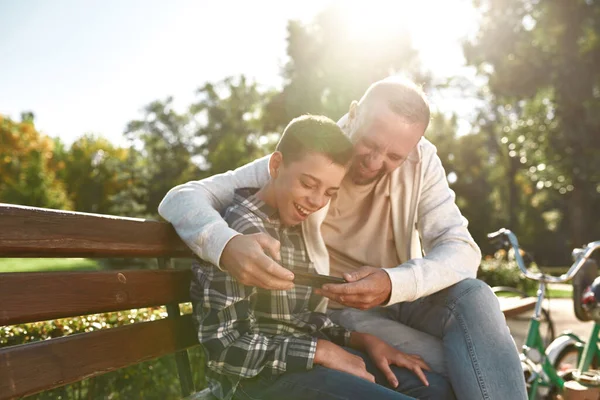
{"points": [[38, 232], [40, 296], [34, 367]]}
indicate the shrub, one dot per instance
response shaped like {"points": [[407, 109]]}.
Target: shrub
{"points": [[497, 270], [156, 379]]}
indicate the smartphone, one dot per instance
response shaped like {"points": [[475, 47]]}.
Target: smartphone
{"points": [[315, 280]]}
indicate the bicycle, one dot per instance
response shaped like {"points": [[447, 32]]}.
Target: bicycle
{"points": [[544, 368], [516, 312], [516, 303]]}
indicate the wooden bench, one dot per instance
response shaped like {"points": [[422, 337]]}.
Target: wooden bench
{"points": [[28, 297]]}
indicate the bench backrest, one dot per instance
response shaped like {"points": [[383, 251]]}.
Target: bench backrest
{"points": [[29, 297]]}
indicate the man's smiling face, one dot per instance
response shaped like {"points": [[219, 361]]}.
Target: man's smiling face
{"points": [[382, 142]]}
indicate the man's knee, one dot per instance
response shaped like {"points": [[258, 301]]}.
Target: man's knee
{"points": [[474, 300], [471, 291]]}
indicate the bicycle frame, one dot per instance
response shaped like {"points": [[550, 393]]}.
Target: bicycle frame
{"points": [[544, 374], [589, 351], [547, 376]]}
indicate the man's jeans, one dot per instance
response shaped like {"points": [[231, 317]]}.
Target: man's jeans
{"points": [[459, 331], [322, 383]]}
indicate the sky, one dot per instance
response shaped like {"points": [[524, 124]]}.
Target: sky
{"points": [[91, 66]]}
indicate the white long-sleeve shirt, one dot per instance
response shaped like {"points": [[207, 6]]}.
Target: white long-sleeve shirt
{"points": [[429, 230]]}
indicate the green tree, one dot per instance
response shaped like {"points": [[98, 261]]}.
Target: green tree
{"points": [[131, 177], [329, 65], [165, 139], [27, 170], [541, 60], [92, 166], [230, 130]]}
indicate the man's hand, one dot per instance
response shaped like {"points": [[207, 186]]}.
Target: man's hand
{"points": [[332, 356], [368, 287], [384, 355], [245, 259]]}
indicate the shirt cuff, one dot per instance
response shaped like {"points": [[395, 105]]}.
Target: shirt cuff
{"points": [[300, 354], [338, 335], [404, 284], [214, 240]]}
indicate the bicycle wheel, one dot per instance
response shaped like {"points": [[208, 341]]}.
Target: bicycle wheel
{"points": [[565, 363], [567, 360]]}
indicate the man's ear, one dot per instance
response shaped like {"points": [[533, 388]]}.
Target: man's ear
{"points": [[275, 162], [353, 112]]}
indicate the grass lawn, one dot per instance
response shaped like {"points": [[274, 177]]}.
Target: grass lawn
{"points": [[47, 264], [560, 293], [552, 293]]}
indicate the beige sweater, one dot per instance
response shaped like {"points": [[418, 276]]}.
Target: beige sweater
{"points": [[429, 230]]}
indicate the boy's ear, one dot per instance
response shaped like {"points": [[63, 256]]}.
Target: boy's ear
{"points": [[275, 163]]}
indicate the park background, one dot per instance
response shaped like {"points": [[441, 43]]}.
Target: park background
{"points": [[105, 106]]}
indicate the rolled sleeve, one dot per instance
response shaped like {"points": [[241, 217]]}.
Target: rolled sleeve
{"points": [[300, 354]]}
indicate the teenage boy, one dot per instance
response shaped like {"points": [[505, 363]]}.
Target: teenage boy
{"points": [[273, 343]]}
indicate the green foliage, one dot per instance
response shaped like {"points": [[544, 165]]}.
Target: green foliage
{"points": [[466, 160], [27, 173], [230, 131], [496, 271], [540, 59], [330, 65], [131, 176], [155, 379], [93, 165], [167, 149]]}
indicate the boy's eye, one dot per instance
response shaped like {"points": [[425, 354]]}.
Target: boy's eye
{"points": [[306, 185], [395, 157]]}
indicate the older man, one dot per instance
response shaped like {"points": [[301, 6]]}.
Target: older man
{"points": [[393, 231]]}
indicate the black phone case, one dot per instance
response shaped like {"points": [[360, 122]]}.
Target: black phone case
{"points": [[315, 280]]}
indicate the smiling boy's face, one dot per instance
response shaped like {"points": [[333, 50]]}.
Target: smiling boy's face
{"points": [[304, 186]]}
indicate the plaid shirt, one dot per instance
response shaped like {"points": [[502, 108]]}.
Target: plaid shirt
{"points": [[246, 331]]}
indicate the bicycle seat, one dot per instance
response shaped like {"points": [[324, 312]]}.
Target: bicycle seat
{"points": [[586, 292]]}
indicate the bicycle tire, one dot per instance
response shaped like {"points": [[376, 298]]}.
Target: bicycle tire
{"points": [[565, 371]]}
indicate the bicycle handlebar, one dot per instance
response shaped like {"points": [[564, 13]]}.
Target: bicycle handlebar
{"points": [[580, 255]]}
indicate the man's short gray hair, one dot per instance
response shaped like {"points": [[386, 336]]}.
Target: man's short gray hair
{"points": [[403, 97]]}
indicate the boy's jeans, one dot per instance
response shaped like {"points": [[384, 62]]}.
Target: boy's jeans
{"points": [[322, 383], [459, 331]]}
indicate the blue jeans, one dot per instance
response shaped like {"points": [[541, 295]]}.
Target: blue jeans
{"points": [[459, 331], [322, 383]]}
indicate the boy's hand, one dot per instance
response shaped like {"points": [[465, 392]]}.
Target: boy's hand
{"points": [[367, 287], [332, 356], [384, 355], [245, 259]]}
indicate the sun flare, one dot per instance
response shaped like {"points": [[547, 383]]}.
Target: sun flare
{"points": [[436, 27]]}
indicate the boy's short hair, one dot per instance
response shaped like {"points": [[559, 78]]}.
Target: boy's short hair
{"points": [[314, 134]]}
